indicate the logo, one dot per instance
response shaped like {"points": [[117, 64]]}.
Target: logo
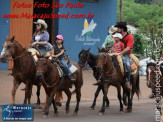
{"points": [[86, 37], [88, 27], [17, 112]]}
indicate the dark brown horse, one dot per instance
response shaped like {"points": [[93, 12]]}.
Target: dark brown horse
{"points": [[85, 57], [51, 80], [111, 75], [23, 70], [152, 76]]}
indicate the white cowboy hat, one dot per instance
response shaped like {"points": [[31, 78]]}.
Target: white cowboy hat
{"points": [[118, 35], [113, 29], [40, 21]]}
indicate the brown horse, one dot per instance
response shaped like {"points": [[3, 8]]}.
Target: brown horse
{"points": [[111, 75], [51, 80], [23, 70], [151, 77]]}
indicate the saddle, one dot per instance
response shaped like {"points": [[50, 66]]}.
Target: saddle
{"points": [[134, 61], [60, 67]]}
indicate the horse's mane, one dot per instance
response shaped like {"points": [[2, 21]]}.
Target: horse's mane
{"points": [[151, 64], [19, 45], [115, 62]]}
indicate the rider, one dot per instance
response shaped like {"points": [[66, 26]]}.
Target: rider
{"points": [[41, 37], [128, 41], [118, 47], [58, 52], [109, 39]]}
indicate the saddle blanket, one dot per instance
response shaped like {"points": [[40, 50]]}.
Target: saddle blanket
{"points": [[133, 57]]}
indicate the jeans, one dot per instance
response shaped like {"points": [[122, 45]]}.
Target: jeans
{"points": [[42, 50], [63, 62], [126, 63]]}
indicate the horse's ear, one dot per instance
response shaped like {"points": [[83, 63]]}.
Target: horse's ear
{"points": [[107, 50], [7, 38], [88, 50], [99, 49], [13, 38]]}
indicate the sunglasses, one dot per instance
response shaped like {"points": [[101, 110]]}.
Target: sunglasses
{"points": [[38, 24]]}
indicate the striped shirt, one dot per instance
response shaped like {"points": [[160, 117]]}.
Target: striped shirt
{"points": [[118, 47]]}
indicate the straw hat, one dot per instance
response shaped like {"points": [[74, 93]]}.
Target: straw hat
{"points": [[40, 21], [113, 29]]}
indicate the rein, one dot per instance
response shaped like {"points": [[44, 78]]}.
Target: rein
{"points": [[47, 78]]}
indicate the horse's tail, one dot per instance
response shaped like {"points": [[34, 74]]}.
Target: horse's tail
{"points": [[137, 89]]}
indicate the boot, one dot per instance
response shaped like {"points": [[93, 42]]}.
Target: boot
{"points": [[152, 95], [71, 78]]}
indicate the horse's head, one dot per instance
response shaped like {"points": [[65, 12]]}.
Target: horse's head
{"points": [[41, 67], [9, 49], [83, 57], [101, 57], [151, 74]]}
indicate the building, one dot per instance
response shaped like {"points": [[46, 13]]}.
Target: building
{"points": [[86, 25]]}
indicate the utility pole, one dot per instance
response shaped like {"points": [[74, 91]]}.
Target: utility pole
{"points": [[121, 10]]}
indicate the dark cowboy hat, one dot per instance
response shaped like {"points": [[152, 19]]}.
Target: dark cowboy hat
{"points": [[121, 25]]}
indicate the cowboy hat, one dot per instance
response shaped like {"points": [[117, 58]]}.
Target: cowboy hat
{"points": [[40, 21], [112, 29], [118, 35]]}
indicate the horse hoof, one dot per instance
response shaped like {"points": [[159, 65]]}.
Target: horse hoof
{"points": [[56, 114], [75, 114], [67, 111], [92, 108], [107, 105], [128, 110], [44, 116], [100, 113], [36, 106], [121, 109]]}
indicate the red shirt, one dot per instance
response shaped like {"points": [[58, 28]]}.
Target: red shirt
{"points": [[129, 42], [118, 47]]}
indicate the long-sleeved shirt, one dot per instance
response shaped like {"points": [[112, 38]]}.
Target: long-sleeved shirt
{"points": [[108, 41]]}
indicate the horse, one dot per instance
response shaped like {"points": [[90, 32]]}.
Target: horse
{"points": [[51, 81], [85, 57], [151, 77], [111, 74], [24, 69]]}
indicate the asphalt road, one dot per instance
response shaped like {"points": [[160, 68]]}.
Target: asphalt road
{"points": [[143, 109]]}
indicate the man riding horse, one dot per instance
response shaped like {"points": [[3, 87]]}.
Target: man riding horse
{"points": [[128, 41]]}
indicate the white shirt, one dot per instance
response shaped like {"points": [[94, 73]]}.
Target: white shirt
{"points": [[37, 38]]}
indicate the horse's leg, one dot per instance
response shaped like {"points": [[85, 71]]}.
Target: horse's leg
{"points": [[15, 86], [119, 97], [68, 93], [124, 96], [104, 99], [129, 107], [49, 101], [55, 108], [38, 94], [78, 96], [29, 94], [96, 95]]}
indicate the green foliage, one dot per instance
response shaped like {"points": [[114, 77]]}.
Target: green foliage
{"points": [[149, 18], [138, 44], [143, 1]]}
